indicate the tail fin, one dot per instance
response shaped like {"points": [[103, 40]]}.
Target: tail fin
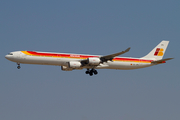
{"points": [[158, 52]]}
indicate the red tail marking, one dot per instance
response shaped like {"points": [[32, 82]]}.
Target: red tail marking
{"points": [[157, 51]]}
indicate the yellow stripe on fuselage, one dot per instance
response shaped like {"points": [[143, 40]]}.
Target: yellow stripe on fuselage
{"points": [[25, 52]]}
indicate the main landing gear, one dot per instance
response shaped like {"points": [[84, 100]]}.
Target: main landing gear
{"points": [[91, 72], [18, 67]]}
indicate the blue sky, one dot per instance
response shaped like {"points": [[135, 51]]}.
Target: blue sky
{"points": [[89, 27]]}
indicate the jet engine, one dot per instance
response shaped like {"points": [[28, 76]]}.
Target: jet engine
{"points": [[74, 64], [71, 66], [94, 61]]}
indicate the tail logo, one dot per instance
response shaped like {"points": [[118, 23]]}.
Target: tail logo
{"points": [[159, 52]]}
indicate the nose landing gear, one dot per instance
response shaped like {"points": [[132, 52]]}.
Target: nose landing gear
{"points": [[91, 72], [18, 67]]}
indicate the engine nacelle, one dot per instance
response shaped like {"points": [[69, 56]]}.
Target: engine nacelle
{"points": [[74, 64], [64, 68], [94, 61]]}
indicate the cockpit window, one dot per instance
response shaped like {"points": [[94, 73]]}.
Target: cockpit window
{"points": [[10, 54]]}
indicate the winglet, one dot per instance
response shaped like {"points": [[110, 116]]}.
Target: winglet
{"points": [[127, 50]]}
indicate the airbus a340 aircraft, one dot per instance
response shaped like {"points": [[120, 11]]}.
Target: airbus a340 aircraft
{"points": [[69, 62]]}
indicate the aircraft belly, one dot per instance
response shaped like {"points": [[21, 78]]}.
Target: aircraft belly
{"points": [[42, 60]]}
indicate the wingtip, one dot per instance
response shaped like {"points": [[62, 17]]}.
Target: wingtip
{"points": [[128, 49], [171, 58]]}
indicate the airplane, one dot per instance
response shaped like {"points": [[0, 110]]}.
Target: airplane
{"points": [[69, 62]]}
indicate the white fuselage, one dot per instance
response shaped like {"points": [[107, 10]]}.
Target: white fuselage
{"points": [[62, 59], [69, 62]]}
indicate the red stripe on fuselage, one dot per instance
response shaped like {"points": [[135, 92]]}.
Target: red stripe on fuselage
{"points": [[59, 55], [78, 56]]}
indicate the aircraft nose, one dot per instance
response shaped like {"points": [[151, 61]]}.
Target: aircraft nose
{"points": [[7, 56]]}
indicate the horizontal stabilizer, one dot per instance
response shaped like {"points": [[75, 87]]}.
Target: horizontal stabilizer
{"points": [[161, 61]]}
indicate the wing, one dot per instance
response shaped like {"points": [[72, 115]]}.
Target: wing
{"points": [[161, 61], [101, 59], [110, 57]]}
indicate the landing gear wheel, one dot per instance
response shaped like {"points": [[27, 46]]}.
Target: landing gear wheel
{"points": [[95, 72], [87, 72], [18, 67], [90, 73]]}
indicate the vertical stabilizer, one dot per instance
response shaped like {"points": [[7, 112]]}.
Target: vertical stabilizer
{"points": [[158, 52]]}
